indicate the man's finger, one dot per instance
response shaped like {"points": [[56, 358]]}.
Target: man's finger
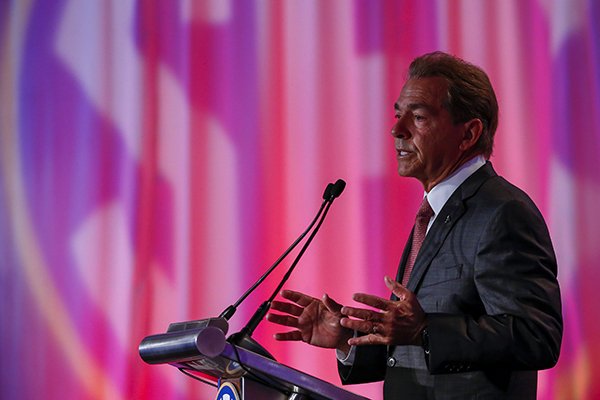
{"points": [[293, 335], [373, 301], [400, 291], [361, 313], [284, 320], [367, 340], [357, 325], [286, 307], [331, 304], [297, 297]]}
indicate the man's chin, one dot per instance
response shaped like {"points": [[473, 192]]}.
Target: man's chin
{"points": [[406, 172]]}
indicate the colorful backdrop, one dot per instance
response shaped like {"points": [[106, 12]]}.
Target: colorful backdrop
{"points": [[157, 156]]}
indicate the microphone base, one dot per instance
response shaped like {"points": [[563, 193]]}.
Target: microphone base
{"points": [[244, 341]]}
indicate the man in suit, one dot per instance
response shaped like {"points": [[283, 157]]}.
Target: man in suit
{"points": [[475, 308]]}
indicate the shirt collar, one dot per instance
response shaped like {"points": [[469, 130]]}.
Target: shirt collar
{"points": [[439, 195]]}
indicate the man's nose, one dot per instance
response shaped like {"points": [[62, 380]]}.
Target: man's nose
{"points": [[399, 129]]}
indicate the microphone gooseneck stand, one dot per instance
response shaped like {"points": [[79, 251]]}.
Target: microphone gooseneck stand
{"points": [[243, 338]]}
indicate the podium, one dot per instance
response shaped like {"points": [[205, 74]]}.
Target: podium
{"points": [[201, 347]]}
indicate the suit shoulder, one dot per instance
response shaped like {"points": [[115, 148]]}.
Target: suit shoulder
{"points": [[497, 191]]}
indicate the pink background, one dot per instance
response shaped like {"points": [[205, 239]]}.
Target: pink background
{"points": [[157, 156]]}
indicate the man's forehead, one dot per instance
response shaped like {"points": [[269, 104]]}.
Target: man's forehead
{"points": [[422, 91]]}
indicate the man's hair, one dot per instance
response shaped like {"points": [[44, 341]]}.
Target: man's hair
{"points": [[470, 93]]}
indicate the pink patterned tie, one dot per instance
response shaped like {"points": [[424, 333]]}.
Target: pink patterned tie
{"points": [[421, 221]]}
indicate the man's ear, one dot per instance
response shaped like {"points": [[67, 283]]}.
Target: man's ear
{"points": [[471, 134]]}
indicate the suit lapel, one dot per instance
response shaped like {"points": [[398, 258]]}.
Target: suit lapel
{"points": [[452, 211], [403, 259]]}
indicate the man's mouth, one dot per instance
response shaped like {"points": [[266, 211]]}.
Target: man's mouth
{"points": [[402, 153]]}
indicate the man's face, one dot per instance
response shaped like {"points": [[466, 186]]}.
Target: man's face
{"points": [[427, 141]]}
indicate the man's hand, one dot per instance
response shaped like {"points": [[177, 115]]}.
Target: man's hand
{"points": [[396, 323], [317, 322]]}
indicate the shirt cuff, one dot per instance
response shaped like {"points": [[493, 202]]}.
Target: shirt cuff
{"points": [[346, 359]]}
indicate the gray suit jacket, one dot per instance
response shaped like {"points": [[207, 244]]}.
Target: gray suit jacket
{"points": [[486, 276]]}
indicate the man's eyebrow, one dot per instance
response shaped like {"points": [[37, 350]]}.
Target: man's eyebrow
{"points": [[413, 106]]}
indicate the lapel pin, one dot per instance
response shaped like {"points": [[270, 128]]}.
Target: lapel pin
{"points": [[447, 219]]}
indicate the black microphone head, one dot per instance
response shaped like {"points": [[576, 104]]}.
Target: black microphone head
{"points": [[328, 190], [337, 189]]}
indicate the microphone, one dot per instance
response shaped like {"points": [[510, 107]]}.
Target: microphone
{"points": [[243, 338], [328, 196], [336, 189]]}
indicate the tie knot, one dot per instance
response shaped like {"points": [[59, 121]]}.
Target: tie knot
{"points": [[425, 211]]}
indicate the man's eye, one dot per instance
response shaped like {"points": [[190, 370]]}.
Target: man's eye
{"points": [[419, 117]]}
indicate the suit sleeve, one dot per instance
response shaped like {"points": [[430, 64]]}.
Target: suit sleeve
{"points": [[515, 276], [369, 365]]}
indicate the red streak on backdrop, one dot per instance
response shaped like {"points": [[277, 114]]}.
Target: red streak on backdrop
{"points": [[157, 156]]}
